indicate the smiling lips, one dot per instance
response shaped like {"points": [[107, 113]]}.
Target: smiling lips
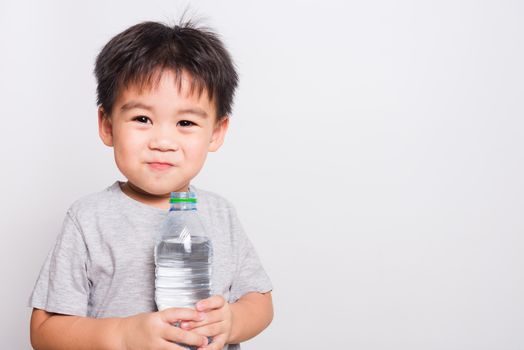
{"points": [[159, 165]]}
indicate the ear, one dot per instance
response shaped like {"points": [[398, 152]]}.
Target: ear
{"points": [[217, 138], [105, 127]]}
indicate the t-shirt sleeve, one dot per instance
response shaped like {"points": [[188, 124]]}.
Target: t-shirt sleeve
{"points": [[63, 286], [250, 275]]}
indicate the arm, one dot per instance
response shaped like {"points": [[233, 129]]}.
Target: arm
{"points": [[232, 323], [55, 331], [143, 331], [251, 314]]}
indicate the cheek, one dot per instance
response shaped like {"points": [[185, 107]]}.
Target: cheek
{"points": [[197, 148], [128, 147]]}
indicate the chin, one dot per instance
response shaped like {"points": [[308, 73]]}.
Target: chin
{"points": [[149, 189], [157, 189]]}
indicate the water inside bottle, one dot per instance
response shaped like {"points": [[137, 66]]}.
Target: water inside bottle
{"points": [[183, 276]]}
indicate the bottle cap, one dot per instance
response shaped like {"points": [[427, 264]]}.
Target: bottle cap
{"points": [[183, 200]]}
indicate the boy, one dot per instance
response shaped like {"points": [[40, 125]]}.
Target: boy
{"points": [[164, 97]]}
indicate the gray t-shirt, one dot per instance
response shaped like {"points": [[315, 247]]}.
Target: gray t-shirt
{"points": [[102, 264]]}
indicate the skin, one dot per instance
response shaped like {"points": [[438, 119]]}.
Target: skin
{"points": [[161, 136], [163, 124]]}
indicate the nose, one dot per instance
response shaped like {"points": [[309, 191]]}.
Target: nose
{"points": [[163, 140]]}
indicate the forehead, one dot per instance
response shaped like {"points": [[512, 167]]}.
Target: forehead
{"points": [[166, 88]]}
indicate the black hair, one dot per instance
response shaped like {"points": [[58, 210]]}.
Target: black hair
{"points": [[139, 54]]}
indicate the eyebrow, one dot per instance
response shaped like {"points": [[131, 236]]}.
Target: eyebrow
{"points": [[132, 104], [196, 111]]}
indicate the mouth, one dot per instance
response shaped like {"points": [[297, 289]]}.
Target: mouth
{"points": [[160, 165]]}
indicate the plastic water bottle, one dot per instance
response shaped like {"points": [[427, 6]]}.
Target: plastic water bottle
{"points": [[183, 256]]}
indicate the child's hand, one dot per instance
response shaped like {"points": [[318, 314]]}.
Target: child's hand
{"points": [[216, 324], [154, 331]]}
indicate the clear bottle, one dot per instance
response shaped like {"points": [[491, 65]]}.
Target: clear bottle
{"points": [[183, 256]]}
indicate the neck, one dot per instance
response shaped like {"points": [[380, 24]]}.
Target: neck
{"points": [[158, 201]]}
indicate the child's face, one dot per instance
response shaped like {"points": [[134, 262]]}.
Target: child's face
{"points": [[161, 136]]}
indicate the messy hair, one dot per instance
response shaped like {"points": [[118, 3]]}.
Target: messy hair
{"points": [[138, 55]]}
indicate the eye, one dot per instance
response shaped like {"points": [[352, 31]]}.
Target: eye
{"points": [[185, 123], [142, 119]]}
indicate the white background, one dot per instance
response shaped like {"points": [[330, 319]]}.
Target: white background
{"points": [[375, 156]]}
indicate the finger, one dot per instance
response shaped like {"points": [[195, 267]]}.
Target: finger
{"points": [[180, 336], [217, 344], [208, 318], [210, 330], [174, 314], [214, 302]]}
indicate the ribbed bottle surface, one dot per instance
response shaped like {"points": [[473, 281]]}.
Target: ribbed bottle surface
{"points": [[183, 257]]}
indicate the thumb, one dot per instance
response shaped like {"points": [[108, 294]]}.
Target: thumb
{"points": [[175, 314]]}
